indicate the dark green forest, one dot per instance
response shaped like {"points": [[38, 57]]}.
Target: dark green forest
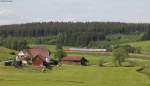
{"points": [[84, 34]]}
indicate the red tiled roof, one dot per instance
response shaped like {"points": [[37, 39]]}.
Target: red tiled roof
{"points": [[38, 52], [72, 58]]}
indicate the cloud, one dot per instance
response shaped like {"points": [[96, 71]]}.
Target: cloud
{"points": [[6, 12], [75, 10], [8, 16]]}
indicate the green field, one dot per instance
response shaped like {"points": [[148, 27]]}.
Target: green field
{"points": [[144, 45], [5, 53], [74, 75], [71, 75]]}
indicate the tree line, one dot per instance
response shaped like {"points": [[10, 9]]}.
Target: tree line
{"points": [[14, 43], [79, 33], [53, 28]]}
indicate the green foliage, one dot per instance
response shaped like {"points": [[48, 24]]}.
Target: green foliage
{"points": [[114, 40], [131, 49], [119, 54], [146, 35], [59, 54], [76, 34], [15, 43], [59, 40]]}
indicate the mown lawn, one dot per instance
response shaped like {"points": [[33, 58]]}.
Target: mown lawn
{"points": [[71, 75]]}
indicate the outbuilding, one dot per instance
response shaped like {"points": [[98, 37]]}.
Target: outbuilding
{"points": [[74, 60]]}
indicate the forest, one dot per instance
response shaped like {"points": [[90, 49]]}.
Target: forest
{"points": [[83, 34]]}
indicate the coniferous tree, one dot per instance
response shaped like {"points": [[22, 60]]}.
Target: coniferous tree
{"points": [[59, 54]]}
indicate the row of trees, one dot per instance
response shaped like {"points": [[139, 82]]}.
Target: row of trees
{"points": [[53, 28], [14, 43]]}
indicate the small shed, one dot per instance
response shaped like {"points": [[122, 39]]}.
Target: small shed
{"points": [[74, 60]]}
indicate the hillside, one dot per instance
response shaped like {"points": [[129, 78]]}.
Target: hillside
{"points": [[76, 33], [74, 75], [5, 53], [144, 45]]}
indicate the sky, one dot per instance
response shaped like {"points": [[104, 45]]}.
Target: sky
{"points": [[25, 11]]}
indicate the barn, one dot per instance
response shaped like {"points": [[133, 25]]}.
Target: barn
{"points": [[74, 60], [35, 56], [37, 61]]}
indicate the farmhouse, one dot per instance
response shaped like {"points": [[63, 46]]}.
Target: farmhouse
{"points": [[74, 60], [36, 56]]}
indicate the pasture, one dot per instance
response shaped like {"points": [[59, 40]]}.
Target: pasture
{"points": [[71, 75], [75, 75], [144, 45], [5, 53]]}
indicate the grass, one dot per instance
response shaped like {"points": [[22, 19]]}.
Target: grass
{"points": [[74, 75], [92, 58], [140, 62], [71, 75], [5, 53], [145, 45]]}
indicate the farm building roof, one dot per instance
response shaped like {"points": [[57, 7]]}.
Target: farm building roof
{"points": [[43, 53], [21, 53], [72, 58]]}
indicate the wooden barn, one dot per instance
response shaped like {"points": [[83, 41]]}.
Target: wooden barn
{"points": [[35, 56], [74, 60]]}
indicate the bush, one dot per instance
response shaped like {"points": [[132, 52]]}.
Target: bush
{"points": [[12, 53]]}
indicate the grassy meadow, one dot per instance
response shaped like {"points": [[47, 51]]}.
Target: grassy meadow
{"points": [[74, 75], [144, 45], [71, 75], [5, 53]]}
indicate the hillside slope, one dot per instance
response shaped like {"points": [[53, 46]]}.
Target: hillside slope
{"points": [[144, 45], [5, 53]]}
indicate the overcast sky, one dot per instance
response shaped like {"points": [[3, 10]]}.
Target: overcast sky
{"points": [[22, 11]]}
